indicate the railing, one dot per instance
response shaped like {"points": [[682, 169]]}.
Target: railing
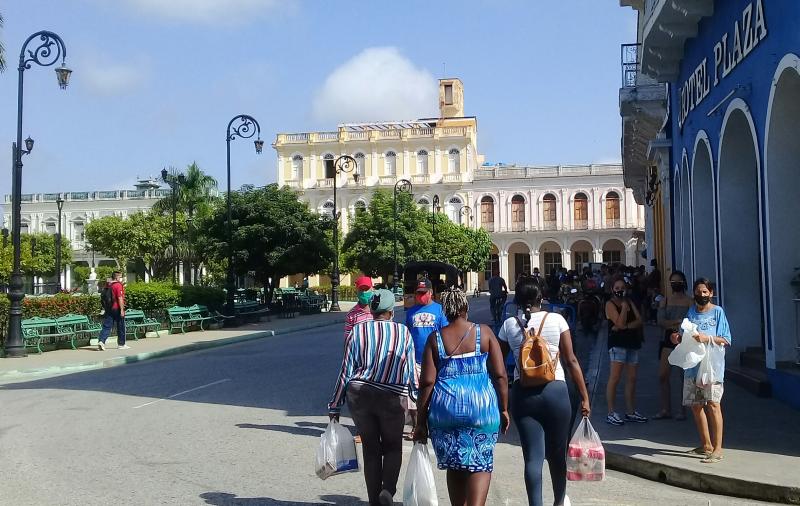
{"points": [[162, 192], [136, 194], [453, 131], [389, 134], [295, 138], [630, 64], [292, 183], [502, 172], [358, 136], [73, 196], [452, 178], [550, 225], [421, 178], [613, 223], [517, 226], [387, 180], [358, 183], [50, 197], [420, 132], [489, 227], [107, 195], [326, 183], [581, 224], [327, 136]]}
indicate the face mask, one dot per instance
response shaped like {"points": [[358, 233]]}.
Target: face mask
{"points": [[619, 293], [424, 298], [702, 300], [364, 297], [678, 286]]}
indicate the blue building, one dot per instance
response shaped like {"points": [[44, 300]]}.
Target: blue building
{"points": [[710, 104]]}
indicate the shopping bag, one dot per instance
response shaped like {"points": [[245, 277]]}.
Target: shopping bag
{"points": [[336, 453], [689, 352], [419, 488], [712, 366], [586, 458]]}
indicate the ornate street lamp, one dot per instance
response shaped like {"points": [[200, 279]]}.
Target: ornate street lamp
{"points": [[401, 186], [49, 50], [175, 182], [434, 209], [343, 165], [60, 204], [242, 126]]}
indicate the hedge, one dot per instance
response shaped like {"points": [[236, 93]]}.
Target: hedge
{"points": [[50, 307]]}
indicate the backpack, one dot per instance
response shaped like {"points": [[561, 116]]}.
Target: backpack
{"points": [[536, 366], [107, 299]]}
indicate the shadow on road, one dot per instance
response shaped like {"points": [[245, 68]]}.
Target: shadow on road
{"points": [[226, 499], [299, 429]]}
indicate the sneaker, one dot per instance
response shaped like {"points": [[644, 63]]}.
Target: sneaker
{"points": [[614, 419], [124, 347], [101, 346], [385, 498], [635, 417], [566, 502]]}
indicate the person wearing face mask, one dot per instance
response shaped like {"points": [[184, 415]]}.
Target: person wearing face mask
{"points": [[376, 377], [712, 328], [422, 319], [671, 312], [624, 342], [360, 311]]}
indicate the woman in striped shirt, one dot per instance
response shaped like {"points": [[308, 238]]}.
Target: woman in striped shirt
{"points": [[376, 376]]}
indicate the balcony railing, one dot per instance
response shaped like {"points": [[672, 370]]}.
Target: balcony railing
{"points": [[550, 225], [358, 136], [613, 223], [489, 227], [420, 132], [327, 136], [295, 138], [389, 134], [452, 178], [453, 131], [630, 64], [518, 226], [581, 224], [136, 194], [293, 183], [326, 183], [421, 179], [387, 180], [107, 195], [73, 196]]}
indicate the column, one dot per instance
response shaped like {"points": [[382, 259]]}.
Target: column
{"points": [[503, 259], [503, 210], [566, 259], [630, 252], [531, 214], [598, 255], [571, 220], [67, 284], [561, 212], [534, 259]]}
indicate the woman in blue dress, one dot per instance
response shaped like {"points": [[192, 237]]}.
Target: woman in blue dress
{"points": [[463, 400]]}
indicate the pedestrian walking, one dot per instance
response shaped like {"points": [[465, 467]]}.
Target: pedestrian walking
{"points": [[672, 310], [705, 400], [543, 413], [113, 300], [361, 311], [624, 342], [498, 293], [463, 402], [376, 377], [425, 317]]}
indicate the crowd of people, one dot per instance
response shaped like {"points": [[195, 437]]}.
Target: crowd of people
{"points": [[447, 376]]}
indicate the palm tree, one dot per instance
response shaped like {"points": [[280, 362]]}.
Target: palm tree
{"points": [[2, 50], [195, 195]]}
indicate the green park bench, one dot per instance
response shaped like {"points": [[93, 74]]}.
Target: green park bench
{"points": [[250, 310], [36, 330], [180, 318], [135, 319], [201, 313], [80, 325], [312, 303]]}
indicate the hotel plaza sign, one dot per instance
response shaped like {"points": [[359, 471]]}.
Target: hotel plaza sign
{"points": [[729, 52]]}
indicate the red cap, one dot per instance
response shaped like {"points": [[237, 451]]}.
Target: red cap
{"points": [[364, 283]]}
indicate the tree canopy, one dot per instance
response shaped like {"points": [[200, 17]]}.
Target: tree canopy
{"points": [[195, 196], [37, 255], [274, 235]]}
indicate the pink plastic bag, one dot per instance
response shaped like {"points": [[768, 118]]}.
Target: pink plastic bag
{"points": [[586, 458]]}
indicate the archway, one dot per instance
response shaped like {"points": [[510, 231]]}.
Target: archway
{"points": [[783, 207], [686, 220], [740, 289], [613, 252], [581, 254], [492, 268], [704, 224], [519, 262], [549, 257]]}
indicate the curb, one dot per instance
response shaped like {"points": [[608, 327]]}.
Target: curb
{"points": [[707, 483], [18, 375]]}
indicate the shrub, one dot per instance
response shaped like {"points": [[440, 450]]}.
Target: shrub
{"points": [[152, 297], [50, 307], [212, 297]]}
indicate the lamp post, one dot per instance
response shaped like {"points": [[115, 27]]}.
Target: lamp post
{"points": [[434, 209], [175, 182], [245, 127], [60, 204], [401, 186], [50, 47], [342, 165]]}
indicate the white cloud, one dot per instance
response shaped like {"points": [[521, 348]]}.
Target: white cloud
{"points": [[378, 84], [114, 79], [207, 11]]}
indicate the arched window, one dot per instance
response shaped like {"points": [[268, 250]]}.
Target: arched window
{"points": [[297, 167], [330, 169], [487, 213], [361, 168], [390, 163], [581, 211], [50, 226], [360, 207], [549, 213], [422, 162], [327, 208], [612, 210], [517, 213], [454, 206], [424, 203], [453, 160]]}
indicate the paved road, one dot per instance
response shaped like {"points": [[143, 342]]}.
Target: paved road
{"points": [[233, 425]]}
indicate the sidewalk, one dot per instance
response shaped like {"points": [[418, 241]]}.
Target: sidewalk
{"points": [[67, 361], [761, 440]]}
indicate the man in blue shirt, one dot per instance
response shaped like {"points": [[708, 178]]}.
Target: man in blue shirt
{"points": [[425, 317]]}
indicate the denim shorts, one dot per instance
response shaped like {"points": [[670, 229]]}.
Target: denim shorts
{"points": [[624, 355]]}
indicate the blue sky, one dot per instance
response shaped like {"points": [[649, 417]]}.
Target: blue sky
{"points": [[155, 82]]}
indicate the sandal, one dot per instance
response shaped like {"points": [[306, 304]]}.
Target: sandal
{"points": [[699, 451], [711, 459], [662, 416]]}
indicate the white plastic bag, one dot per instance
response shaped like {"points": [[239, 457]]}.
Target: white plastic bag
{"points": [[586, 458], [712, 365], [336, 453], [419, 488], [689, 352]]}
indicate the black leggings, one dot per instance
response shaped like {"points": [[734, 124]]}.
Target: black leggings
{"points": [[542, 416]]}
